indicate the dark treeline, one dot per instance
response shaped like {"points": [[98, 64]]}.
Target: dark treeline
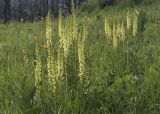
{"points": [[13, 10], [29, 10]]}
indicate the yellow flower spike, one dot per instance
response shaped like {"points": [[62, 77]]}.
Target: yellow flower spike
{"points": [[84, 81], [123, 34], [129, 23], [135, 25], [60, 24], [50, 59], [48, 30], [108, 30], [67, 37], [60, 62], [118, 33], [38, 66], [115, 42]]}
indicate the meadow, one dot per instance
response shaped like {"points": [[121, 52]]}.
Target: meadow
{"points": [[93, 63]]}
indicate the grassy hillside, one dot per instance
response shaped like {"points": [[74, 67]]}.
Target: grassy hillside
{"points": [[87, 66]]}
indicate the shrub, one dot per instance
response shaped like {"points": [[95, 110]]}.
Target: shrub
{"points": [[132, 3], [148, 2]]}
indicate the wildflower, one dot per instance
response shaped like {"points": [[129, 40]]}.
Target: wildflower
{"points": [[50, 59], [60, 59], [123, 31], [74, 23], [135, 25], [45, 46], [108, 30], [37, 69], [129, 20], [60, 22], [115, 42], [81, 54], [118, 32], [68, 37]]}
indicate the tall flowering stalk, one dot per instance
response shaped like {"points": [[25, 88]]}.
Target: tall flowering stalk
{"points": [[108, 30], [128, 18], [37, 69], [67, 31], [60, 60], [81, 54], [67, 37], [135, 25], [123, 32], [50, 59], [115, 42], [74, 23], [60, 25], [118, 31]]}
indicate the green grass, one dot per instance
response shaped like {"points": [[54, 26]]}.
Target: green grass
{"points": [[115, 87]]}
